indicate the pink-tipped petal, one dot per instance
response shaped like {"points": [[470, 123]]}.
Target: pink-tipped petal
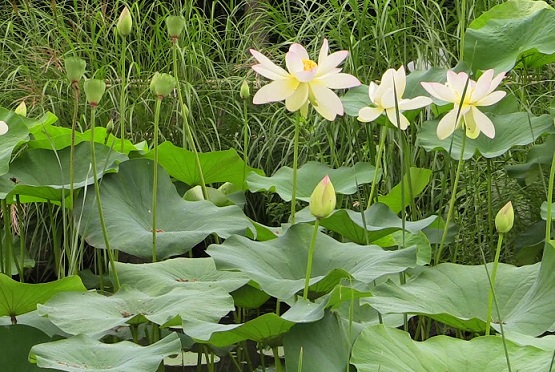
{"points": [[267, 64], [491, 98], [457, 82], [484, 124], [326, 102], [414, 103], [496, 81], [293, 62], [331, 61], [324, 50], [299, 50], [368, 114], [481, 89], [295, 101], [339, 81], [440, 91], [401, 122], [277, 90], [447, 125], [269, 73]]}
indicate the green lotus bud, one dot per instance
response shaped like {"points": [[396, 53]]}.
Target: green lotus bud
{"points": [[162, 85], [75, 68], [245, 91], [21, 109], [94, 90], [175, 25], [109, 127], [322, 199], [125, 22], [505, 219]]}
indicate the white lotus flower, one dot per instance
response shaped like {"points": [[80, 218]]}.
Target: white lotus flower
{"points": [[305, 81], [3, 127], [388, 97], [478, 93]]}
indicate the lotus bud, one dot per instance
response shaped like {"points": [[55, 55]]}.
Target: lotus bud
{"points": [[125, 22], [505, 219], [162, 85], [94, 90], [3, 127], [21, 109], [245, 91], [175, 25], [75, 68], [322, 200], [109, 127]]}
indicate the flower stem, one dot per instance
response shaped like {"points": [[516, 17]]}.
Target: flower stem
{"points": [[187, 133], [383, 135], [122, 94], [99, 202], [295, 166], [493, 275], [452, 202], [7, 241], [245, 142], [155, 171], [549, 219], [310, 257]]}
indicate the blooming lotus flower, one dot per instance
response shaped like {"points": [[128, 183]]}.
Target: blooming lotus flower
{"points": [[388, 97], [305, 81], [478, 93]]}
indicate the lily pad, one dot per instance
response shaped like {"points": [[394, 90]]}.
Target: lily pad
{"points": [[217, 166], [127, 201], [15, 343], [279, 265], [512, 33], [345, 179], [82, 353], [513, 129], [91, 313], [194, 273], [379, 348], [19, 298], [44, 174], [18, 133], [539, 154]]}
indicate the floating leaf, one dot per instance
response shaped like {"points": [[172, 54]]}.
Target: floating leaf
{"points": [[512, 33], [15, 343], [44, 174], [217, 166], [127, 201], [510, 130], [279, 265], [379, 348], [82, 353], [345, 179], [94, 314]]}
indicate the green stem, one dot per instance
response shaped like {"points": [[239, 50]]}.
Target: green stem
{"points": [[155, 180], [7, 243], [122, 94], [21, 229], [295, 166], [99, 202], [451, 202], [493, 275], [310, 257], [548, 220], [383, 135], [278, 367], [245, 142], [72, 247], [187, 133]]}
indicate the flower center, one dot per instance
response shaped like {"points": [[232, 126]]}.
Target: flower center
{"points": [[308, 64]]}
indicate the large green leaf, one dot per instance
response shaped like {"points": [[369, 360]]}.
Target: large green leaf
{"points": [[380, 348], [18, 133], [279, 265], [195, 273], [539, 154], [82, 353], [513, 33], [19, 298], [217, 166], [345, 179], [94, 314], [127, 200], [510, 130], [44, 174], [15, 343], [458, 295], [400, 196]]}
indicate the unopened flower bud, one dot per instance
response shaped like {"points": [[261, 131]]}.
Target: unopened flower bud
{"points": [[245, 91], [109, 127], [175, 25], [94, 90], [322, 199], [21, 109], [75, 68], [125, 22], [162, 85], [505, 218]]}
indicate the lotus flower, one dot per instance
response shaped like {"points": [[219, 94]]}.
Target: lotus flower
{"points": [[322, 199], [305, 81], [388, 97], [3, 127], [478, 93]]}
